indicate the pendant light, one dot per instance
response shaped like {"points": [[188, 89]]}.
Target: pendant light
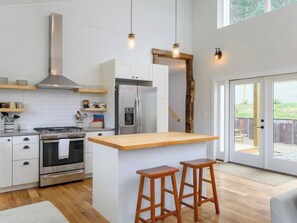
{"points": [[175, 48], [131, 36]]}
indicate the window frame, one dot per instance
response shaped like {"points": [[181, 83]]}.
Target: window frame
{"points": [[223, 15]]}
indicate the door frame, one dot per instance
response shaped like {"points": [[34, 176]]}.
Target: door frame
{"points": [[190, 89]]}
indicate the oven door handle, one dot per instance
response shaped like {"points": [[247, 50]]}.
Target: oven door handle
{"points": [[71, 140]]}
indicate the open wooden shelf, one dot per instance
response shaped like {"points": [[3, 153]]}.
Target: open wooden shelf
{"points": [[94, 110], [17, 87], [13, 109], [91, 90]]}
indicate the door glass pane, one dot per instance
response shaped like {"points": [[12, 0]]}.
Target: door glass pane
{"points": [[275, 4], [246, 118], [285, 120]]}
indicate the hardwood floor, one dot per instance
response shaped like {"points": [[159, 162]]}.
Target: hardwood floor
{"points": [[241, 201]]}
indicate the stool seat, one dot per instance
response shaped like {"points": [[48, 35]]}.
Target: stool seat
{"points": [[198, 163], [157, 172]]}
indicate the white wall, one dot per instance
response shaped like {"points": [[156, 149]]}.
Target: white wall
{"points": [[259, 46], [94, 31]]}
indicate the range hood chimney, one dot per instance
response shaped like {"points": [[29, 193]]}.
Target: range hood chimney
{"points": [[55, 79]]}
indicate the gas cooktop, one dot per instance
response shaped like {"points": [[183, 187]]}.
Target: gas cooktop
{"points": [[64, 129]]}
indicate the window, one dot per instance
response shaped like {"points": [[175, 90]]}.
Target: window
{"points": [[233, 11]]}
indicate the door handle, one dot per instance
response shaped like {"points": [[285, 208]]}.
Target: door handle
{"points": [[261, 127], [140, 115]]}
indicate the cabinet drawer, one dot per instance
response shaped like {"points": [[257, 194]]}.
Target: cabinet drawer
{"points": [[25, 171], [26, 151], [25, 139]]}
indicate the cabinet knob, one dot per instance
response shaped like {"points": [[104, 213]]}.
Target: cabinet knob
{"points": [[26, 139], [26, 163], [136, 77], [26, 147], [99, 134], [8, 140], [133, 77]]}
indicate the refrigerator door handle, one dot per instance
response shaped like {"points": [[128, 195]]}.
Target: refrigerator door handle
{"points": [[140, 114], [137, 114]]}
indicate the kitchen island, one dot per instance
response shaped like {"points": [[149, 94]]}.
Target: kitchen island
{"points": [[117, 158]]}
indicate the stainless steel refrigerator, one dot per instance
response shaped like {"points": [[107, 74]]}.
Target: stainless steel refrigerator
{"points": [[136, 109]]}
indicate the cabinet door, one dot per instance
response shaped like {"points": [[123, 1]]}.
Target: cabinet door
{"points": [[89, 150], [89, 163], [160, 80], [162, 115], [142, 72], [25, 171], [5, 162], [123, 70]]}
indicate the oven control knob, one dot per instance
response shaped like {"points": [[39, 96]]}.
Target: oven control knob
{"points": [[99, 134]]}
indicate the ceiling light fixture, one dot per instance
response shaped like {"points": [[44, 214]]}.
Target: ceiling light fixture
{"points": [[218, 54], [175, 48], [131, 36]]}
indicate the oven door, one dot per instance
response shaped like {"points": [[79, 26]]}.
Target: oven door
{"points": [[49, 156]]}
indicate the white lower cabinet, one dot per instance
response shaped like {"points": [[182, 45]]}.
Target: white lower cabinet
{"points": [[25, 171], [89, 151], [88, 163], [5, 162], [19, 160]]}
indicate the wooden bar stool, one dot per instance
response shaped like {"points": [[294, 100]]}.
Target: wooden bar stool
{"points": [[153, 174], [197, 192]]}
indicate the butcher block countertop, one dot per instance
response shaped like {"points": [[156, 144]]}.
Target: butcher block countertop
{"points": [[149, 140]]}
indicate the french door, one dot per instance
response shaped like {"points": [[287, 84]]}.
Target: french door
{"points": [[247, 138], [263, 122]]}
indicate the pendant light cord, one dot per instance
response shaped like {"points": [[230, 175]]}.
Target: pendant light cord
{"points": [[175, 21], [131, 15]]}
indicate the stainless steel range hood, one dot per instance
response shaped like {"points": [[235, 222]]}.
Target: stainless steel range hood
{"points": [[56, 80]]}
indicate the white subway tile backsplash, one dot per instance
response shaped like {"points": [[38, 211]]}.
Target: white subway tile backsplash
{"points": [[47, 107]]}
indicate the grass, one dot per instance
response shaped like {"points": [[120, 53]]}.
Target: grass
{"points": [[281, 111]]}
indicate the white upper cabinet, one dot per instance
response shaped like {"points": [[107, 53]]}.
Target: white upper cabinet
{"points": [[123, 70], [5, 162], [142, 72], [130, 71]]}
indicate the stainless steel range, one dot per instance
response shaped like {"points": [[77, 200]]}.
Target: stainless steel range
{"points": [[55, 168]]}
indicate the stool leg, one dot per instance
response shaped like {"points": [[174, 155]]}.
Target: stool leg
{"points": [[152, 196], [139, 199], [195, 191], [182, 184], [213, 183], [162, 195], [200, 186], [176, 200]]}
